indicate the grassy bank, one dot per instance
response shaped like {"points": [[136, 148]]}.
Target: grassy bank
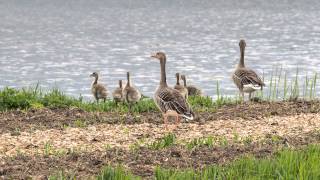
{"points": [[27, 98], [279, 87], [285, 164]]}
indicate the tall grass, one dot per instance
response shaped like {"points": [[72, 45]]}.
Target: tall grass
{"points": [[280, 87]]}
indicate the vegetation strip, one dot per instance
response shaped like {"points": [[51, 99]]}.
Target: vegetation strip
{"points": [[59, 118]]}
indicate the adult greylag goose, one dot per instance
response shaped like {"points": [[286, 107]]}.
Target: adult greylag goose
{"points": [[97, 89], [169, 100], [117, 93], [182, 90], [246, 79], [192, 90], [130, 93]]}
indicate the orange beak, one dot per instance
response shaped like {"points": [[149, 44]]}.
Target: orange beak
{"points": [[153, 56]]}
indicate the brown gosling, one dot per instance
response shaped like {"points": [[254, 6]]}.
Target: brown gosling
{"points": [[117, 94], [183, 90], [130, 93], [244, 78], [97, 89], [169, 100], [192, 90]]}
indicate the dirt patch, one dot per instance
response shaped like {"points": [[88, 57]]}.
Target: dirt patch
{"points": [[17, 120], [101, 136], [143, 161]]}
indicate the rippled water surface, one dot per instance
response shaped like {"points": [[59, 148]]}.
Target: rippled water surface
{"points": [[59, 43]]}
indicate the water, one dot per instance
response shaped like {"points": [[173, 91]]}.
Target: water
{"points": [[59, 43]]}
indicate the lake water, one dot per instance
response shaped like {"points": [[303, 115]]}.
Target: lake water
{"points": [[59, 43]]}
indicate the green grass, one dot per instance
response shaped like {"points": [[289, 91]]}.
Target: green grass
{"points": [[166, 141], [27, 98], [35, 98], [285, 164], [279, 87], [118, 173]]}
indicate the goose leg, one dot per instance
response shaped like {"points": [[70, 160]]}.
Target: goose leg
{"points": [[242, 96], [165, 120], [177, 121], [250, 96], [129, 105]]}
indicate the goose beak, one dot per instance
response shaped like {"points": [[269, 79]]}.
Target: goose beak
{"points": [[153, 56]]}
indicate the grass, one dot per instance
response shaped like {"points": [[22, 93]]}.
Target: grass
{"points": [[285, 164], [118, 173], [166, 141], [35, 98], [279, 87]]}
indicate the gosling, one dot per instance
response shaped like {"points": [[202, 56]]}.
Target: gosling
{"points": [[117, 94], [97, 89], [130, 93], [182, 90]]}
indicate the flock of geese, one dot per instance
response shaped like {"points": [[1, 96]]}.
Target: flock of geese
{"points": [[173, 101]]}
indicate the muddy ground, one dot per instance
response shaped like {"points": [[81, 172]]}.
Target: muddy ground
{"points": [[83, 142]]}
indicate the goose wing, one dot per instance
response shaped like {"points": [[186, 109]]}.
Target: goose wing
{"points": [[170, 99], [101, 91], [247, 76]]}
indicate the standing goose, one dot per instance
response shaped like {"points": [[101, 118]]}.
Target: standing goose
{"points": [[117, 93], [130, 93], [97, 89], [170, 101], [182, 90], [246, 79], [192, 90]]}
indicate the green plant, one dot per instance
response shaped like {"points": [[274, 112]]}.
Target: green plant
{"points": [[166, 141], [203, 141], [118, 173]]}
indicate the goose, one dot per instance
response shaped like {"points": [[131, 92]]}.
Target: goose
{"points": [[169, 101], [182, 90], [244, 78], [130, 93], [117, 93], [192, 90], [97, 89]]}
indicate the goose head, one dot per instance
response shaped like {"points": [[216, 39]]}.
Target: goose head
{"points": [[183, 77], [160, 56], [94, 74], [242, 44]]}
